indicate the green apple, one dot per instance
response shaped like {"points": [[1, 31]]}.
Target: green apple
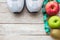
{"points": [[54, 22], [55, 33]]}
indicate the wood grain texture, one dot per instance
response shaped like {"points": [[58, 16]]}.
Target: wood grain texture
{"points": [[3, 0], [17, 37], [24, 26], [23, 32], [25, 17], [31, 29]]}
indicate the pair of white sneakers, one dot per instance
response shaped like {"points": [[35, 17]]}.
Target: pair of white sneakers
{"points": [[18, 5]]}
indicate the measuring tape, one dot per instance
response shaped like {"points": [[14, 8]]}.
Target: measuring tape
{"points": [[46, 26], [58, 1]]}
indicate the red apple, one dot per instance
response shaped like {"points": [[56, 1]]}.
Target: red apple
{"points": [[52, 8]]}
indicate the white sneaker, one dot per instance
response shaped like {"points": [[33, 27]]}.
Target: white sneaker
{"points": [[15, 5], [34, 5]]}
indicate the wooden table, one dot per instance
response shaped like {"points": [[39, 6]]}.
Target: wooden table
{"points": [[24, 26]]}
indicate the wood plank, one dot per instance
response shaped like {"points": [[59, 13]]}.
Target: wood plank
{"points": [[23, 29], [2, 37], [23, 32], [3, 7], [17, 37], [3, 0], [25, 17], [2, 32]]}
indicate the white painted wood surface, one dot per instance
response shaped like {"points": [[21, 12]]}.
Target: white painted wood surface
{"points": [[37, 29], [25, 17], [25, 26], [23, 32]]}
